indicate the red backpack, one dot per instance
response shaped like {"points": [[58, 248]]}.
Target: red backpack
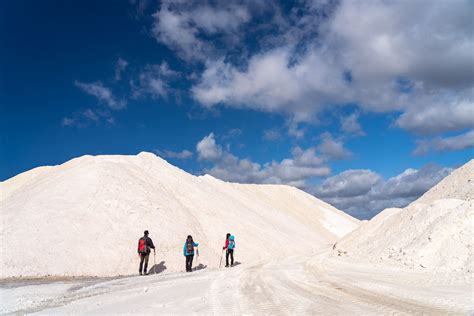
{"points": [[142, 245]]}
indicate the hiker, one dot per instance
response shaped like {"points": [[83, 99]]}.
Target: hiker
{"points": [[144, 245], [229, 245], [188, 252]]}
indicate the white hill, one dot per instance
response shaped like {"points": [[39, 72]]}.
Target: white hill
{"points": [[84, 217], [433, 232]]}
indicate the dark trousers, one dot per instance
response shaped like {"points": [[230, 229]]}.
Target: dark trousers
{"points": [[229, 252], [189, 263], [144, 258]]}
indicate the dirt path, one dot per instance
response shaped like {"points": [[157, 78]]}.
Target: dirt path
{"points": [[306, 286], [299, 285]]}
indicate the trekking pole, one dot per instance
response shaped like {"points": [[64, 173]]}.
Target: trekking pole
{"points": [[220, 262]]}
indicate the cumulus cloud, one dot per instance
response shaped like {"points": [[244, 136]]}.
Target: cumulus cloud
{"points": [[304, 164], [307, 157], [333, 149], [207, 149], [364, 193], [349, 183], [102, 93], [184, 154], [271, 83], [440, 113], [424, 41], [413, 58], [458, 142]]}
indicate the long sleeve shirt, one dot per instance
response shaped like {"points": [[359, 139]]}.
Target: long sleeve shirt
{"points": [[185, 251]]}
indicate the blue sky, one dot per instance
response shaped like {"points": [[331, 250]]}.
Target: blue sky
{"points": [[365, 104]]}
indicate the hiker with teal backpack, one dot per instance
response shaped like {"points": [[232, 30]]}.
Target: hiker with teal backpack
{"points": [[188, 252], [230, 246]]}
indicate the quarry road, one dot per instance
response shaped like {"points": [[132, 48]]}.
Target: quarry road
{"points": [[297, 285]]}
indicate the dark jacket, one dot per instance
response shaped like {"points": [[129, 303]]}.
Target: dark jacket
{"points": [[148, 244]]}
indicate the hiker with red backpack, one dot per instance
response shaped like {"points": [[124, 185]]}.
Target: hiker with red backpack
{"points": [[144, 245], [188, 252], [229, 245]]}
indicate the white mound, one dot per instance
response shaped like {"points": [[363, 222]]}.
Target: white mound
{"points": [[85, 216], [459, 185], [434, 232]]}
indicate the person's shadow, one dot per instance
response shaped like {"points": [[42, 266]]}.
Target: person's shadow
{"points": [[200, 267], [157, 268]]}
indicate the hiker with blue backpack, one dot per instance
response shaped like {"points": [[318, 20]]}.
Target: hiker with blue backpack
{"points": [[230, 246], [188, 252]]}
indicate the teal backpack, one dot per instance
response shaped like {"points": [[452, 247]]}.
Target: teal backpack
{"points": [[231, 242]]}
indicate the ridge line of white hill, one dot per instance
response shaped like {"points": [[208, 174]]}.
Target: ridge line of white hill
{"points": [[435, 232], [84, 218]]}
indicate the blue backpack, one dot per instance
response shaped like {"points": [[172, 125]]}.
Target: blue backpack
{"points": [[231, 242]]}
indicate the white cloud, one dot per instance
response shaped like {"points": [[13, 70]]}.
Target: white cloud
{"points": [[303, 165], [174, 30], [458, 142], [207, 149], [153, 81], [307, 158], [350, 125], [272, 84], [102, 93], [120, 67], [333, 149], [364, 193], [184, 154], [213, 20], [426, 41], [157, 87], [401, 56], [440, 113], [180, 26], [166, 71], [290, 172], [349, 183]]}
